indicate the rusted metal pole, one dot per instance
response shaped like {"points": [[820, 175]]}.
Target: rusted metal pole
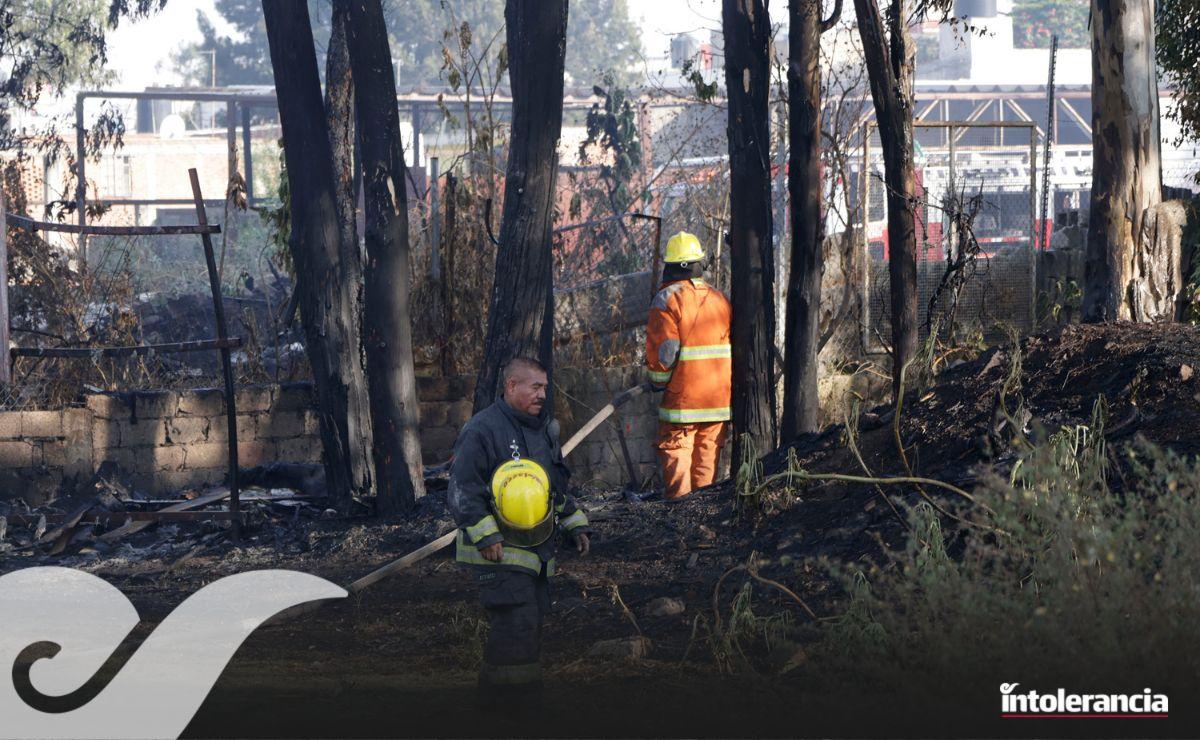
{"points": [[247, 156], [25, 222], [226, 364], [656, 262], [81, 182]]}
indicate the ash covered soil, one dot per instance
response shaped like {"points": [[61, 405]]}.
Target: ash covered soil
{"points": [[401, 658]]}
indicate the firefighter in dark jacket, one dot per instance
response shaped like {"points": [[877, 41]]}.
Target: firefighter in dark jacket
{"points": [[508, 494]]}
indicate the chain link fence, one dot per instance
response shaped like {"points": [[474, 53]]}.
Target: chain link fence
{"points": [[976, 221]]}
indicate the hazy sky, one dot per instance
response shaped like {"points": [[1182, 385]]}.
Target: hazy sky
{"points": [[140, 52]]}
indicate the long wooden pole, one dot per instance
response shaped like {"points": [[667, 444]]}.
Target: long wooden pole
{"points": [[425, 551]]}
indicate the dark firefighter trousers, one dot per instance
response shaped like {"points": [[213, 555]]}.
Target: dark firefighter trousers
{"points": [[516, 603]]}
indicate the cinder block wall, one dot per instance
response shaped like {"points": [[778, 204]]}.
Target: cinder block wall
{"points": [[580, 393], [165, 441], [169, 440]]}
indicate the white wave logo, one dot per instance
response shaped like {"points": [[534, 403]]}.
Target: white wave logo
{"points": [[80, 620]]}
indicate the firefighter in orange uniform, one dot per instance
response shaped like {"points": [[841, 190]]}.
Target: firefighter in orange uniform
{"points": [[689, 359]]}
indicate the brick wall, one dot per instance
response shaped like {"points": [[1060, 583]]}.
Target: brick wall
{"points": [[165, 441]]}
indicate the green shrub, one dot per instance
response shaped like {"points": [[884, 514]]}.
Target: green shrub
{"points": [[1070, 583]]}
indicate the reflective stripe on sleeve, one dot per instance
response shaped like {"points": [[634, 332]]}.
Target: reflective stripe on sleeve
{"points": [[660, 378], [575, 521], [705, 352], [482, 528]]}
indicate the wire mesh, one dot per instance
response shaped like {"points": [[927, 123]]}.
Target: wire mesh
{"points": [[966, 286], [136, 290]]}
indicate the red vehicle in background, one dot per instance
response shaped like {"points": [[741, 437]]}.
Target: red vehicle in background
{"points": [[1002, 223]]}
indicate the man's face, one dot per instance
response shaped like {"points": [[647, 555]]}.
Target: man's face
{"points": [[525, 391]]}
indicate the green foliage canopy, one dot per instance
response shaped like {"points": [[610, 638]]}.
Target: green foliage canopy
{"points": [[1178, 48], [1036, 21], [602, 38]]}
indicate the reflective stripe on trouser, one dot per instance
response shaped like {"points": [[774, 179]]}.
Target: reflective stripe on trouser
{"points": [[516, 603], [688, 455], [693, 416]]}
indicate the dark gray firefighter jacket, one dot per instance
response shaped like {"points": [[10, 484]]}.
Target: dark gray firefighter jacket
{"points": [[491, 438]]}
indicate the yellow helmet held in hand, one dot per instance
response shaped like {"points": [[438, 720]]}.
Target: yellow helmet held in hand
{"points": [[521, 494], [684, 247]]}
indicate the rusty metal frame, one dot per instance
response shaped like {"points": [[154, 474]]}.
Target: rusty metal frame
{"points": [[223, 343]]}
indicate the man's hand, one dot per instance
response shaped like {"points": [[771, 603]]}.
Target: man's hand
{"points": [[581, 543], [493, 552]]}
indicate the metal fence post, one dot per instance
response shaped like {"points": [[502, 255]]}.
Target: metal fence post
{"points": [[865, 210], [246, 155], [214, 281], [435, 225], [81, 182], [1034, 255], [6, 360]]}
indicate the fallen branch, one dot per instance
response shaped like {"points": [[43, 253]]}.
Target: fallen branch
{"points": [[804, 475]]}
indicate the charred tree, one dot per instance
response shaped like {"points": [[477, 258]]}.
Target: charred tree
{"points": [[1126, 170], [802, 342], [890, 59], [521, 311], [326, 294], [339, 112], [387, 326], [747, 31]]}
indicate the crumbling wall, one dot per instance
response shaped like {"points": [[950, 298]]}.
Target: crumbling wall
{"points": [[170, 440], [167, 441], [579, 394]]}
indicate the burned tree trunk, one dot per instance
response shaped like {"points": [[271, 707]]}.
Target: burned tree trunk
{"points": [[339, 112], [1126, 173], [802, 343], [747, 80], [327, 305], [890, 60], [521, 312], [387, 327]]}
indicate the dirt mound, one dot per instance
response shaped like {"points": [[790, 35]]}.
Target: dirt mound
{"points": [[1145, 376], [1142, 374]]}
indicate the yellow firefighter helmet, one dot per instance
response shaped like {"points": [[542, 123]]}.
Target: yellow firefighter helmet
{"points": [[684, 247], [521, 495]]}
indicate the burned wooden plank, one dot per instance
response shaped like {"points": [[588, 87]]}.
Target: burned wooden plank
{"points": [[119, 517], [137, 526]]}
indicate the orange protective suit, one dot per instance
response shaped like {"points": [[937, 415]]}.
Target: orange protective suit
{"points": [[688, 355]]}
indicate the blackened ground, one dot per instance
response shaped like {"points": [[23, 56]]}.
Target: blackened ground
{"points": [[401, 658]]}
